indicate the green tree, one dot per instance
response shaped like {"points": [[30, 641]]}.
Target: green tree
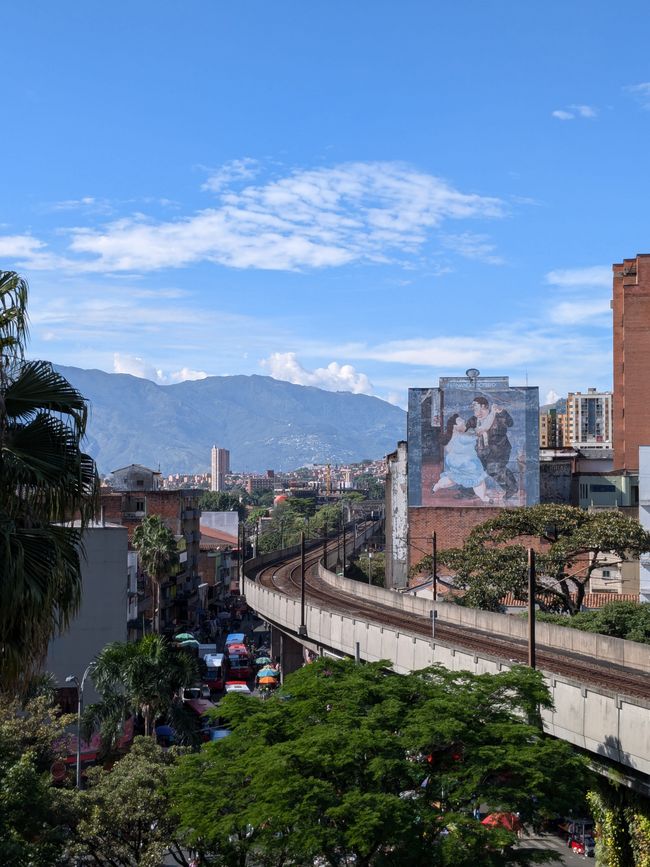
{"points": [[628, 620], [369, 567], [144, 677], [45, 482], [349, 762], [158, 552], [35, 818], [222, 501], [124, 815], [254, 516], [575, 542], [375, 487]]}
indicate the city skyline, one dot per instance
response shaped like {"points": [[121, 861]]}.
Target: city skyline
{"points": [[340, 197]]}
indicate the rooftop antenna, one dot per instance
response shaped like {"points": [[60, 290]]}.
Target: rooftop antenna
{"points": [[473, 374]]}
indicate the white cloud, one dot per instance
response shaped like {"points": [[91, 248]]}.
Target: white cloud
{"points": [[473, 246], [137, 366], [355, 212], [585, 110], [641, 92], [574, 111], [552, 397], [573, 312], [234, 170], [334, 377], [19, 246], [574, 278]]}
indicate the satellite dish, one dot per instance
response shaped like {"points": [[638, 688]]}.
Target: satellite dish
{"points": [[473, 373]]}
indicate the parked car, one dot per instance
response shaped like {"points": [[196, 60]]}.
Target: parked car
{"points": [[585, 846], [238, 686]]}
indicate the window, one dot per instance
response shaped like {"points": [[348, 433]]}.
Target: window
{"points": [[606, 573], [603, 489]]}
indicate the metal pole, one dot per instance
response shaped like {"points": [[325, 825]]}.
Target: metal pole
{"points": [[433, 632], [531, 608], [434, 555], [344, 550], [80, 706], [303, 627], [325, 544]]}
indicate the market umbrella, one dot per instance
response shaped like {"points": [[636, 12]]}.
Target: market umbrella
{"points": [[268, 672], [263, 627], [263, 660], [190, 642], [268, 680], [184, 636], [509, 821]]}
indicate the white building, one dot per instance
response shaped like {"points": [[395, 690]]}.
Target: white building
{"points": [[589, 419], [220, 465]]}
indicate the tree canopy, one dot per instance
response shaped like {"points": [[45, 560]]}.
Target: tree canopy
{"points": [[46, 481], [34, 818], [124, 815], [222, 501], [350, 764], [158, 551], [572, 543], [145, 678]]}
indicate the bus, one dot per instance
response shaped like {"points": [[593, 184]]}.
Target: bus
{"points": [[214, 675]]}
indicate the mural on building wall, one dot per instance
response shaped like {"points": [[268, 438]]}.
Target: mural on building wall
{"points": [[473, 441]]}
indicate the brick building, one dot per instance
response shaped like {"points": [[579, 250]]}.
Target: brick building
{"points": [[179, 511], [631, 332]]}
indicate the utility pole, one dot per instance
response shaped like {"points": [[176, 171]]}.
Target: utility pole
{"points": [[325, 544], [531, 608], [434, 557], [302, 629], [344, 549]]}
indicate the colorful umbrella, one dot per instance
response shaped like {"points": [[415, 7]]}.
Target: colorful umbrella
{"points": [[268, 672], [509, 821], [263, 660], [184, 636], [268, 680]]}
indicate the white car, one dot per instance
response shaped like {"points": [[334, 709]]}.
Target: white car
{"points": [[238, 686]]}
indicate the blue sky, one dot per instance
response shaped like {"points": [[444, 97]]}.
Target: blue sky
{"points": [[356, 195]]}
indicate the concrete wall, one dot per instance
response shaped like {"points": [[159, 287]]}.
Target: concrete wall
{"points": [[629, 653], [103, 612], [600, 721], [397, 518]]}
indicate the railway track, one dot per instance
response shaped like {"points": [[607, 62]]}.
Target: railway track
{"points": [[285, 578]]}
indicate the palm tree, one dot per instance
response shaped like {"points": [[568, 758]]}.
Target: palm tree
{"points": [[46, 483], [156, 545], [144, 677]]}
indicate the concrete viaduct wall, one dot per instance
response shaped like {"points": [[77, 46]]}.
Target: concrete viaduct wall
{"points": [[603, 722], [631, 654]]}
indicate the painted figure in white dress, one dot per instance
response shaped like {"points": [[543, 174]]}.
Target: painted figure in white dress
{"points": [[462, 465]]}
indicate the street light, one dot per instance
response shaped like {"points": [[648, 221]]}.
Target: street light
{"points": [[72, 678]]}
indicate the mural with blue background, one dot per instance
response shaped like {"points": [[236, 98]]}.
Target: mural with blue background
{"points": [[473, 442]]}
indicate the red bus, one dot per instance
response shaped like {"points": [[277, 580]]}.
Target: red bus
{"points": [[240, 663]]}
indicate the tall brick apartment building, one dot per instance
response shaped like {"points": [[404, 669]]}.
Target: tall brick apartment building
{"points": [[631, 323]]}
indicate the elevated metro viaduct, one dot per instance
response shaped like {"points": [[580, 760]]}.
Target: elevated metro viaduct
{"points": [[349, 618]]}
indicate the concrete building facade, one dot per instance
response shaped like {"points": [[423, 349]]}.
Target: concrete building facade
{"points": [[631, 332], [102, 616], [589, 419], [220, 465]]}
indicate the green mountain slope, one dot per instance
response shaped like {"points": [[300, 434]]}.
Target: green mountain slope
{"points": [[264, 422]]}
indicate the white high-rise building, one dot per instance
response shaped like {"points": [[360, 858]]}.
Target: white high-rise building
{"points": [[220, 465], [589, 419]]}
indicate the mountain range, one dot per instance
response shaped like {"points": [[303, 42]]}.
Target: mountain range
{"points": [[265, 423]]}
